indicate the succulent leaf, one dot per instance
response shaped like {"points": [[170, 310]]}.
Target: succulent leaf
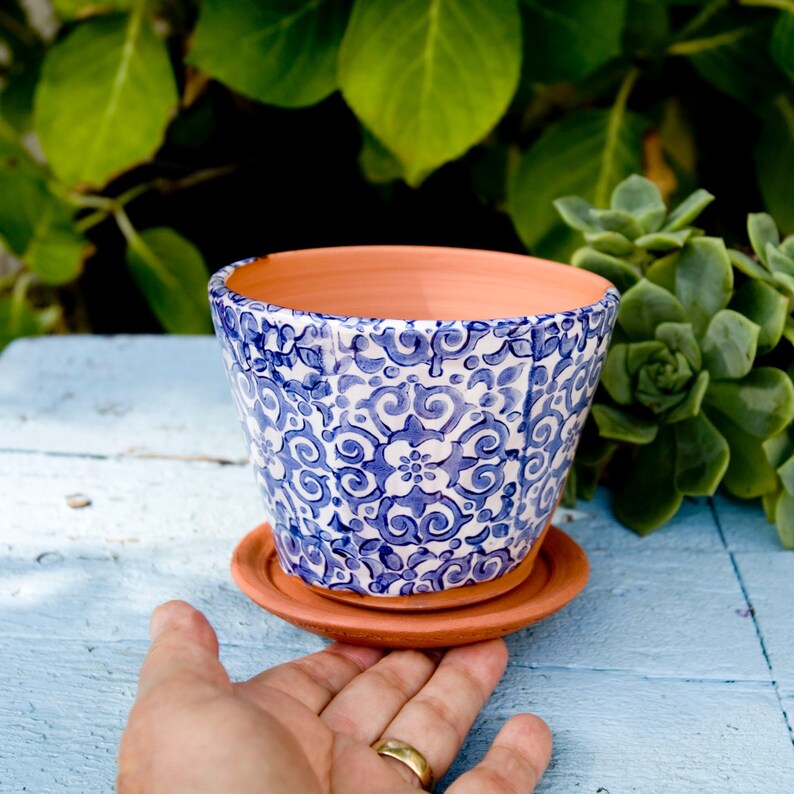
{"points": [[749, 473], [679, 336], [784, 519], [646, 496], [646, 305], [690, 405], [642, 199], [729, 345], [622, 425], [620, 273], [761, 230], [701, 458], [662, 272], [786, 474], [618, 221], [687, 210], [615, 377], [663, 241], [778, 261], [577, 213], [703, 280], [761, 403], [610, 243], [766, 307], [747, 265]]}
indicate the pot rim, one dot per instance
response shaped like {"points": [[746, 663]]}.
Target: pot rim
{"points": [[218, 289]]}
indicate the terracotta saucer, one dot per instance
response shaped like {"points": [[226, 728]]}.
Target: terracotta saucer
{"points": [[559, 574]]}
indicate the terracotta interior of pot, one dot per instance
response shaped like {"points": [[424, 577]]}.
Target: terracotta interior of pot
{"points": [[416, 283]]}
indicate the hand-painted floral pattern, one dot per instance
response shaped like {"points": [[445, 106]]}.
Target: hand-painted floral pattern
{"points": [[398, 457]]}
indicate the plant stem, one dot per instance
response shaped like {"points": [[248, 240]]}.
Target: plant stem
{"points": [[18, 294], [782, 5], [137, 244], [701, 18], [616, 115], [694, 46]]}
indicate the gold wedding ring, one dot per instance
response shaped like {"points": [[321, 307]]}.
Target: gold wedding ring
{"points": [[408, 755]]}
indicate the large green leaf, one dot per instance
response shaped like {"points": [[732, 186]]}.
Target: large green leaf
{"points": [[749, 473], [170, 272], [703, 280], [566, 39], [762, 403], [430, 78], [701, 456], [35, 224], [105, 96], [766, 307], [587, 155], [645, 306], [283, 53], [646, 496], [377, 163], [783, 42], [69, 9], [774, 160], [729, 345]]}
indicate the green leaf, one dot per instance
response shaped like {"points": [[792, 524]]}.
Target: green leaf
{"points": [[647, 27], [778, 261], [71, 9], [785, 283], [615, 376], [784, 519], [786, 474], [566, 39], [35, 224], [774, 161], [647, 497], [729, 345], [690, 405], [618, 221], [783, 42], [377, 163], [762, 231], [577, 213], [17, 318], [701, 457], [766, 307], [610, 243], [282, 53], [170, 272], [663, 241], [747, 265], [749, 474], [762, 403], [662, 272], [646, 305], [703, 280], [680, 337], [642, 199], [430, 78], [105, 96], [688, 210], [787, 246], [576, 156], [621, 425], [619, 272], [16, 99], [778, 449], [639, 353]]}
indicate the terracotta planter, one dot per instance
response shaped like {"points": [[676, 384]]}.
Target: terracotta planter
{"points": [[411, 413]]}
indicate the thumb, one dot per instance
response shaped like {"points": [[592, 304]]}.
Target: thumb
{"points": [[184, 649]]}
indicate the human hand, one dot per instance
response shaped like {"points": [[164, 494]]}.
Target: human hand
{"points": [[306, 726]]}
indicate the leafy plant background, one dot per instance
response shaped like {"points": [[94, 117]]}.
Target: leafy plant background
{"points": [[144, 143]]}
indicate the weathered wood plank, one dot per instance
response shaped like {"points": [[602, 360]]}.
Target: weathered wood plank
{"points": [[124, 395]]}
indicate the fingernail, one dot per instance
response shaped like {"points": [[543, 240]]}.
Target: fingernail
{"points": [[164, 615]]}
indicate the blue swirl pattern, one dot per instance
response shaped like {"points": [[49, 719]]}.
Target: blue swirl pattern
{"points": [[400, 457]]}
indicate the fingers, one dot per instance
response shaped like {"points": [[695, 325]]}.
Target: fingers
{"points": [[516, 761], [368, 704], [315, 680], [438, 718], [184, 648]]}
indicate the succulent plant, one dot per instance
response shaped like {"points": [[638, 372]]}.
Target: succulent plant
{"points": [[681, 407]]}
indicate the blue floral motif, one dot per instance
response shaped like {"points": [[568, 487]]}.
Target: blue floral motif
{"points": [[397, 456]]}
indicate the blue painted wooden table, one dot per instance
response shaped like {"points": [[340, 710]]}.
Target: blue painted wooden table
{"points": [[672, 672]]}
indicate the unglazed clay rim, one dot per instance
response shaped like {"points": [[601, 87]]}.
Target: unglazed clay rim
{"points": [[563, 562], [218, 288]]}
